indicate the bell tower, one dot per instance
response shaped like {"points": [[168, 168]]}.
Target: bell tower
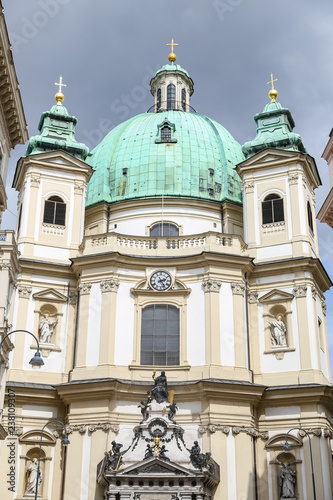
{"points": [[51, 180]]}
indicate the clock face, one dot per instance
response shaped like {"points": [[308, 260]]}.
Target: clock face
{"points": [[160, 280]]}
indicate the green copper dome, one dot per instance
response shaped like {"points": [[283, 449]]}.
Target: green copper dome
{"points": [[196, 159]]}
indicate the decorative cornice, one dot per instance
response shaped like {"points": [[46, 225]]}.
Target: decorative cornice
{"points": [[250, 431], [212, 285], [252, 297], [316, 432], [238, 288], [300, 291], [24, 291], [213, 428], [85, 288], [110, 285], [82, 429]]}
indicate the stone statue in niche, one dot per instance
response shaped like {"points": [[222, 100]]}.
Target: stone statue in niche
{"points": [[32, 470], [287, 481], [278, 331], [46, 327]]}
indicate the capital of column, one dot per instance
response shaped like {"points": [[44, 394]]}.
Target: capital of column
{"points": [[110, 285], [252, 297], [212, 285], [85, 288], [24, 291], [300, 291], [238, 288]]}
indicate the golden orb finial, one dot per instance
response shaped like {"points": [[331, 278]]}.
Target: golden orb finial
{"points": [[273, 93], [59, 97], [156, 440], [172, 56]]}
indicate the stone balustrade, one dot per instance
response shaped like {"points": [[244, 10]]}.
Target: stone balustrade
{"points": [[164, 246]]}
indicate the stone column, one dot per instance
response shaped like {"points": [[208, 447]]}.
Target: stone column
{"points": [[108, 321], [212, 320], [84, 289], [238, 291]]}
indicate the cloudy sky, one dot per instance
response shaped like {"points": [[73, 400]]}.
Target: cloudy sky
{"points": [[107, 51]]}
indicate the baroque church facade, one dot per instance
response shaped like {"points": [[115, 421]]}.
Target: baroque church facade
{"points": [[173, 280]]}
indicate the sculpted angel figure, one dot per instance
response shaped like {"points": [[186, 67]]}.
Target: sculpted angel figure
{"points": [[46, 327], [278, 331]]}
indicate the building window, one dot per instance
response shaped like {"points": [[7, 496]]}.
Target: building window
{"points": [[310, 220], [165, 134], [184, 99], [55, 211], [158, 103], [171, 97], [164, 229], [272, 209], [160, 335]]}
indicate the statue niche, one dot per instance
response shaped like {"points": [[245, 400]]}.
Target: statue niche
{"points": [[278, 327], [47, 324], [31, 475]]}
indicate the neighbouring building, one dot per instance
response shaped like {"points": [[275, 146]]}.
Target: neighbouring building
{"points": [[13, 131], [170, 248]]}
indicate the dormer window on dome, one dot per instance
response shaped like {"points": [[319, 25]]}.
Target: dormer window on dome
{"points": [[166, 132]]}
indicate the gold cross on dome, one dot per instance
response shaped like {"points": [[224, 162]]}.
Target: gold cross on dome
{"points": [[60, 84], [172, 44], [272, 81]]}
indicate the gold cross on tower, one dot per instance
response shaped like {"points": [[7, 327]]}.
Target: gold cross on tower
{"points": [[172, 55], [273, 93], [59, 97]]}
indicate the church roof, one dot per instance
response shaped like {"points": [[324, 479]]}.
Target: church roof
{"points": [[57, 131], [198, 161], [274, 130]]}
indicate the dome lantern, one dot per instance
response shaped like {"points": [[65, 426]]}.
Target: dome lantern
{"points": [[171, 86]]}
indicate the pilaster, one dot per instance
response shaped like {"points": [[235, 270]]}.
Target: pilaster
{"points": [[238, 291], [84, 289], [109, 289], [212, 315]]}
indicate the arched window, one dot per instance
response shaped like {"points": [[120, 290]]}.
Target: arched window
{"points": [[158, 99], [310, 220], [160, 335], [165, 134], [272, 209], [171, 97], [164, 229], [184, 99], [55, 211]]}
